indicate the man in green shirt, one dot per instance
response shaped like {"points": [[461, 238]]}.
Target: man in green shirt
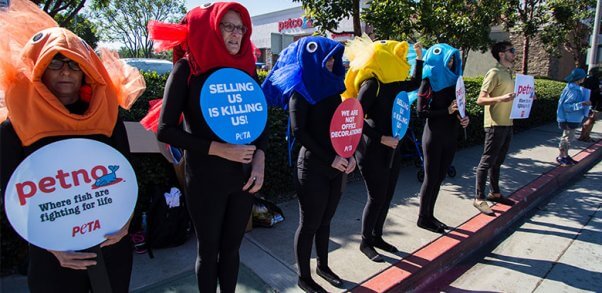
{"points": [[497, 93]]}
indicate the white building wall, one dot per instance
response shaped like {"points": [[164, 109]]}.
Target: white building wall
{"points": [[266, 24]]}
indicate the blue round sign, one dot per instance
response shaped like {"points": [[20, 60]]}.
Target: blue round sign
{"points": [[400, 115], [234, 106]]}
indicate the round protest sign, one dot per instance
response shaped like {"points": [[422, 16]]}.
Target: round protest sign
{"points": [[234, 106], [346, 127], [400, 115], [69, 194], [461, 96]]}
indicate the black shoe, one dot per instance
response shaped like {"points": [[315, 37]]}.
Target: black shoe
{"points": [[500, 199], [329, 276], [369, 251], [309, 285], [440, 224], [565, 161], [572, 161], [429, 225], [378, 242]]}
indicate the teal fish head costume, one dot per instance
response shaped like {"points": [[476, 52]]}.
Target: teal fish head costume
{"points": [[436, 69], [301, 67]]}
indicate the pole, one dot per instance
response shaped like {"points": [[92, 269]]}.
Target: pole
{"points": [[593, 53]]}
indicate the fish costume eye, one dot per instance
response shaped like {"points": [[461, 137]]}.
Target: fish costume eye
{"points": [[311, 47], [207, 5], [437, 51], [37, 37], [383, 42]]}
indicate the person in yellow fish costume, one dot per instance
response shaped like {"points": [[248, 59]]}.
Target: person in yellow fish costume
{"points": [[378, 72]]}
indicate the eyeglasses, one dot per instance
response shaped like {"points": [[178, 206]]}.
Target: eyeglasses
{"points": [[230, 27], [57, 64], [511, 50]]}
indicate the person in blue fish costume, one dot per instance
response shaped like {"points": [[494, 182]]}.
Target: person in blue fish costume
{"points": [[570, 114], [308, 80], [437, 103]]}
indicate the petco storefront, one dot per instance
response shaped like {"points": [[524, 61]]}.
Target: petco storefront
{"points": [[272, 32]]}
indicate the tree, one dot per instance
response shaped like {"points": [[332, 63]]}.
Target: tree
{"points": [[81, 26], [326, 15], [465, 25], [125, 21], [66, 9], [526, 17], [381, 14], [569, 25]]}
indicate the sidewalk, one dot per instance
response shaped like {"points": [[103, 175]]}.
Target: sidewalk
{"points": [[268, 253], [558, 248]]}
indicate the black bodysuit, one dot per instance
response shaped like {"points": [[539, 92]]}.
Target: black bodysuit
{"points": [[218, 206], [377, 102], [439, 141], [319, 185], [45, 272]]}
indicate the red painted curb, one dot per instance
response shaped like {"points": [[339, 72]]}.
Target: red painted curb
{"points": [[435, 259]]}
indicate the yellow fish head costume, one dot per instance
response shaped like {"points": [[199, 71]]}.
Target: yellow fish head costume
{"points": [[383, 60]]}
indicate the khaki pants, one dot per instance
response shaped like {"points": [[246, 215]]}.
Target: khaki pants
{"points": [[568, 135]]}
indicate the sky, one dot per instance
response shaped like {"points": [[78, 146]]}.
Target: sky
{"points": [[255, 7]]}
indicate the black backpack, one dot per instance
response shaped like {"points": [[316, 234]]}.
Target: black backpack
{"points": [[167, 227]]}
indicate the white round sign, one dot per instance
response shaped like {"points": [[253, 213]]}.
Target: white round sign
{"points": [[69, 194], [461, 96]]}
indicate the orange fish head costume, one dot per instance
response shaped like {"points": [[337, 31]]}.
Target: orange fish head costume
{"points": [[31, 40], [36, 113], [198, 37]]}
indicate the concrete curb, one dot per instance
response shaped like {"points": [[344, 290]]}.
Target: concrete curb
{"points": [[434, 260]]}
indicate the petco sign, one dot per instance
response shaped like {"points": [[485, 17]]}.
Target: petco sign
{"points": [[69, 194], [295, 23]]}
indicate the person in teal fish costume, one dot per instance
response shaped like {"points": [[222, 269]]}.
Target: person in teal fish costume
{"points": [[437, 103]]}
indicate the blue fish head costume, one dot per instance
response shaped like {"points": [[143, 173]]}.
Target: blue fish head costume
{"points": [[435, 66], [301, 67]]}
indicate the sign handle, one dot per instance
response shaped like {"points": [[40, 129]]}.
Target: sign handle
{"points": [[392, 156], [465, 137], [99, 277]]}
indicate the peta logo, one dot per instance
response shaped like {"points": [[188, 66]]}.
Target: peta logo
{"points": [[85, 228], [65, 180]]}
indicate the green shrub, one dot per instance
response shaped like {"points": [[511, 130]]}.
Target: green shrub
{"points": [[14, 249], [155, 83]]}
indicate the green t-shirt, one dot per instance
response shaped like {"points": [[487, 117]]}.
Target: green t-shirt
{"points": [[497, 82]]}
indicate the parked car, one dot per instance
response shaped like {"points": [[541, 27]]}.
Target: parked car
{"points": [[149, 64]]}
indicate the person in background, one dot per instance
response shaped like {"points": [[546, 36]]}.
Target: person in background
{"points": [[437, 103], [219, 188], [497, 93], [592, 82], [570, 114]]}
